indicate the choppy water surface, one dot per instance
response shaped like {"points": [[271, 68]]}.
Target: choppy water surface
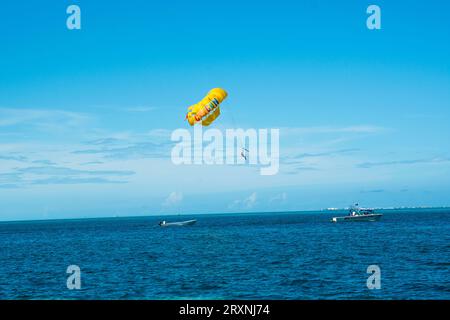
{"points": [[246, 256]]}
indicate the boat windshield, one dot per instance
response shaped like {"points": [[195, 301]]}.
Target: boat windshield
{"points": [[357, 211]]}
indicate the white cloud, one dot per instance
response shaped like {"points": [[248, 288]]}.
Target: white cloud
{"points": [[173, 199], [331, 129], [246, 203], [42, 118], [140, 109], [50, 174], [279, 198]]}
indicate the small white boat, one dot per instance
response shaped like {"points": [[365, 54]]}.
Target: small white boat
{"points": [[177, 224], [357, 214]]}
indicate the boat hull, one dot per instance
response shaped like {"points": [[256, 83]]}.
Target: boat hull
{"points": [[358, 218]]}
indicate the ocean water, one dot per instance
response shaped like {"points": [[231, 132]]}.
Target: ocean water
{"points": [[245, 256]]}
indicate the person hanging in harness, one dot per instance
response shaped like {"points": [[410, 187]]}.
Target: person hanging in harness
{"points": [[244, 153]]}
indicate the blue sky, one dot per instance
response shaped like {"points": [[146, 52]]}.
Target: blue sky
{"points": [[86, 115]]}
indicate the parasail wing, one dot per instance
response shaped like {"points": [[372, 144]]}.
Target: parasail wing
{"points": [[207, 110]]}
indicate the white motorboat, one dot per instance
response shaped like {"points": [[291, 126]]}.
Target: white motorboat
{"points": [[177, 224], [357, 214]]}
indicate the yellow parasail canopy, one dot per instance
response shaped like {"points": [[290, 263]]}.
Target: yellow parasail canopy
{"points": [[207, 110]]}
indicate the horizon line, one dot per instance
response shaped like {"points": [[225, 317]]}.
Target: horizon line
{"points": [[220, 213]]}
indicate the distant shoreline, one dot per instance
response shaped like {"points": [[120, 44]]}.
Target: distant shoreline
{"points": [[325, 210]]}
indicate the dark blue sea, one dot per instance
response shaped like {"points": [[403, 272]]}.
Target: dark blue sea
{"points": [[239, 256]]}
